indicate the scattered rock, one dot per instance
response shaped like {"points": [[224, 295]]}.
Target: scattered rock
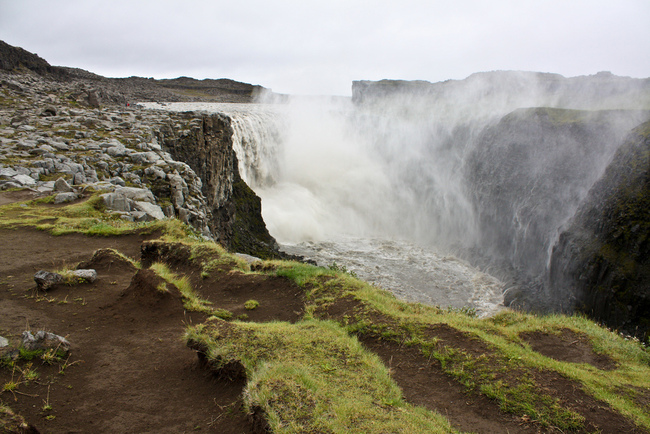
{"points": [[46, 279], [118, 146], [65, 197], [3, 342], [43, 340], [85, 275]]}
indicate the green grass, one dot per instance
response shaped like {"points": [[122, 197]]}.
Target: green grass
{"points": [[312, 377], [381, 314], [89, 218], [251, 304], [212, 257], [191, 301]]}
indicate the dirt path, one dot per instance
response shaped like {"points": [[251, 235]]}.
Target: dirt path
{"points": [[129, 370]]}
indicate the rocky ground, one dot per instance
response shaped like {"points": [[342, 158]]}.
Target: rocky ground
{"points": [[48, 131]]}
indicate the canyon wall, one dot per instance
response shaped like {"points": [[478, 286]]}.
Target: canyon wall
{"points": [[556, 193], [205, 144], [65, 123], [602, 258]]}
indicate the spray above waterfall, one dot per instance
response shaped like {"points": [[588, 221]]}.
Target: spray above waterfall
{"points": [[487, 169]]}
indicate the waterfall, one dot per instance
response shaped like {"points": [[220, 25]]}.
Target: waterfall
{"points": [[257, 141], [416, 193]]}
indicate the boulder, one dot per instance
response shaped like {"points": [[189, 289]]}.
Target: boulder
{"points": [[61, 185], [79, 178], [43, 340], [8, 172], [116, 151], [46, 279], [154, 211], [49, 111], [138, 217], [143, 158], [85, 275], [116, 180], [24, 180], [116, 202], [136, 194], [65, 197], [26, 145]]}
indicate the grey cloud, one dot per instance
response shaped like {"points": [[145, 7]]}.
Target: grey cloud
{"points": [[321, 46]]}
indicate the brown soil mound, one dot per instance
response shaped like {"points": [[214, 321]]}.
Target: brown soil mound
{"points": [[279, 299], [423, 383], [106, 261], [568, 346], [150, 291], [129, 370]]}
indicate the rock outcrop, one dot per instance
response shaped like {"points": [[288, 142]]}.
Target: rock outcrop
{"points": [[65, 135], [16, 59], [206, 146], [527, 174], [602, 259]]}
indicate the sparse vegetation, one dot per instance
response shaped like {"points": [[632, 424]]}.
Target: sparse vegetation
{"points": [[251, 304]]}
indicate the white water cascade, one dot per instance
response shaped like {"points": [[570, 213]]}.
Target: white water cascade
{"points": [[333, 193]]}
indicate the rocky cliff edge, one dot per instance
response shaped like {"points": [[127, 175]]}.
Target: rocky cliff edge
{"points": [[59, 134]]}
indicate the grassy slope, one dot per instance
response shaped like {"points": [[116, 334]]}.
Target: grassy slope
{"points": [[315, 376]]}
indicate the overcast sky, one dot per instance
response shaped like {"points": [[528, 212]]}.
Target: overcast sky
{"points": [[319, 47]]}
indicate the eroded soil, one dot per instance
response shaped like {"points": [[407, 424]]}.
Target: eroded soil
{"points": [[129, 370]]}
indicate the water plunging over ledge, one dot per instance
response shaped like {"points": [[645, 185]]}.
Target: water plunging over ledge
{"points": [[329, 194]]}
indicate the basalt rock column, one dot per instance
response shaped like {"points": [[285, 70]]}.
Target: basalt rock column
{"points": [[205, 144]]}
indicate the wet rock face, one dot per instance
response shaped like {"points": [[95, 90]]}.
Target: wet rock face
{"points": [[601, 262], [235, 210], [528, 173]]}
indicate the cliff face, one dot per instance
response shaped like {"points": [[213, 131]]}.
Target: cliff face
{"points": [[527, 174], [530, 150], [602, 259], [205, 144]]}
